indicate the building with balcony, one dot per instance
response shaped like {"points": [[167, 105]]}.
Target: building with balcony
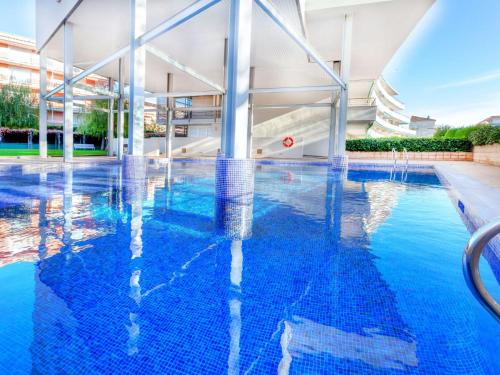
{"points": [[19, 65], [492, 120], [423, 126], [389, 120]]}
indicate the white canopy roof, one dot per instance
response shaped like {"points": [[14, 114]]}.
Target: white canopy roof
{"points": [[102, 27]]}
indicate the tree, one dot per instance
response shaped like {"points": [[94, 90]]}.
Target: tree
{"points": [[95, 123], [17, 107]]}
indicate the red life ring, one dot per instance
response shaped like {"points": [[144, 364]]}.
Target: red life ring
{"points": [[288, 142]]}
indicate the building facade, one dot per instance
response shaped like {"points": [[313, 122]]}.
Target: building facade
{"points": [[20, 65], [424, 126], [492, 120]]}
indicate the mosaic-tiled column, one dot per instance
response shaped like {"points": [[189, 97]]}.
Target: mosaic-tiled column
{"points": [[338, 162], [234, 190]]}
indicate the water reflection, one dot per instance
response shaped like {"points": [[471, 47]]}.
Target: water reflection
{"points": [[233, 220], [286, 281]]}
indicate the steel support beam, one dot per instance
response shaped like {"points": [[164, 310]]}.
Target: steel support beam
{"points": [[42, 125], [68, 92], [294, 106], [137, 78], [224, 103], [275, 90], [183, 68], [183, 94], [169, 130], [111, 117], [196, 109], [272, 12], [120, 119], [238, 78], [332, 136], [344, 92], [250, 114], [82, 97], [178, 19]]}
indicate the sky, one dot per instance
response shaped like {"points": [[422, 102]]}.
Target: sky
{"points": [[448, 68]]}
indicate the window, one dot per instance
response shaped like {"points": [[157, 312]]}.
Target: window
{"points": [[181, 130], [200, 131], [21, 76], [183, 102]]}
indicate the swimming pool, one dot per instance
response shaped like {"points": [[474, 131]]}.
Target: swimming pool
{"points": [[320, 274]]}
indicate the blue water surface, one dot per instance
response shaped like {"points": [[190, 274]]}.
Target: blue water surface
{"points": [[322, 274]]}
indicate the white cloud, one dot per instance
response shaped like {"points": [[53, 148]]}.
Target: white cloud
{"points": [[468, 113], [488, 77]]}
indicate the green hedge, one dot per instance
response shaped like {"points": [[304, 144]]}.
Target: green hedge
{"points": [[411, 144], [485, 135]]}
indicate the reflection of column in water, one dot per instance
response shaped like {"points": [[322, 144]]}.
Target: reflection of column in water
{"points": [[136, 229], [134, 328], [168, 183], [67, 206], [334, 193], [135, 190], [234, 192], [235, 307], [42, 217], [119, 188]]}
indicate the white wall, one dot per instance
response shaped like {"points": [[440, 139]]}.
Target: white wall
{"points": [[205, 146]]}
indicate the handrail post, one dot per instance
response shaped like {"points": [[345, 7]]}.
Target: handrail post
{"points": [[470, 260]]}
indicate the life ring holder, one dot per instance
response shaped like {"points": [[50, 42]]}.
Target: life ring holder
{"points": [[288, 142]]}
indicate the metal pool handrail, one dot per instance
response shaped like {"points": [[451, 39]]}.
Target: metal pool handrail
{"points": [[394, 156], [470, 262], [405, 155]]}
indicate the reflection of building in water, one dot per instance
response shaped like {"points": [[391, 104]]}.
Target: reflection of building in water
{"points": [[52, 211], [360, 329], [382, 199]]}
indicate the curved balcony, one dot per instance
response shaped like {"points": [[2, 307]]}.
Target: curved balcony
{"points": [[385, 96], [391, 128], [399, 117]]}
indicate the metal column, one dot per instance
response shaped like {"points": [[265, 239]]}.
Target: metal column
{"points": [[111, 118], [333, 134], [238, 78], [344, 92], [68, 92], [224, 103], [137, 79], [169, 131], [42, 125], [250, 114], [120, 117]]}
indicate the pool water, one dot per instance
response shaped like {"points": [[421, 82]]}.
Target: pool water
{"points": [[322, 274]]}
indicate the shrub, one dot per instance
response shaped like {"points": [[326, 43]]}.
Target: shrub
{"points": [[440, 132], [411, 144], [485, 135], [459, 133]]}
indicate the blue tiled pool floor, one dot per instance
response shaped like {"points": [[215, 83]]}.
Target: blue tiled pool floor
{"points": [[99, 274]]}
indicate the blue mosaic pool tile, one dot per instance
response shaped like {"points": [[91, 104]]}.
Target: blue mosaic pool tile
{"points": [[338, 275]]}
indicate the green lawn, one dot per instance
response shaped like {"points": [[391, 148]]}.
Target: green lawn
{"points": [[34, 152]]}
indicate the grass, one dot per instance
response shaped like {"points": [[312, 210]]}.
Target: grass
{"points": [[34, 152]]}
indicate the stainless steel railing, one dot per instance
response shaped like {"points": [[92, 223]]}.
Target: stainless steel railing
{"points": [[405, 155], [394, 157], [472, 254]]}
